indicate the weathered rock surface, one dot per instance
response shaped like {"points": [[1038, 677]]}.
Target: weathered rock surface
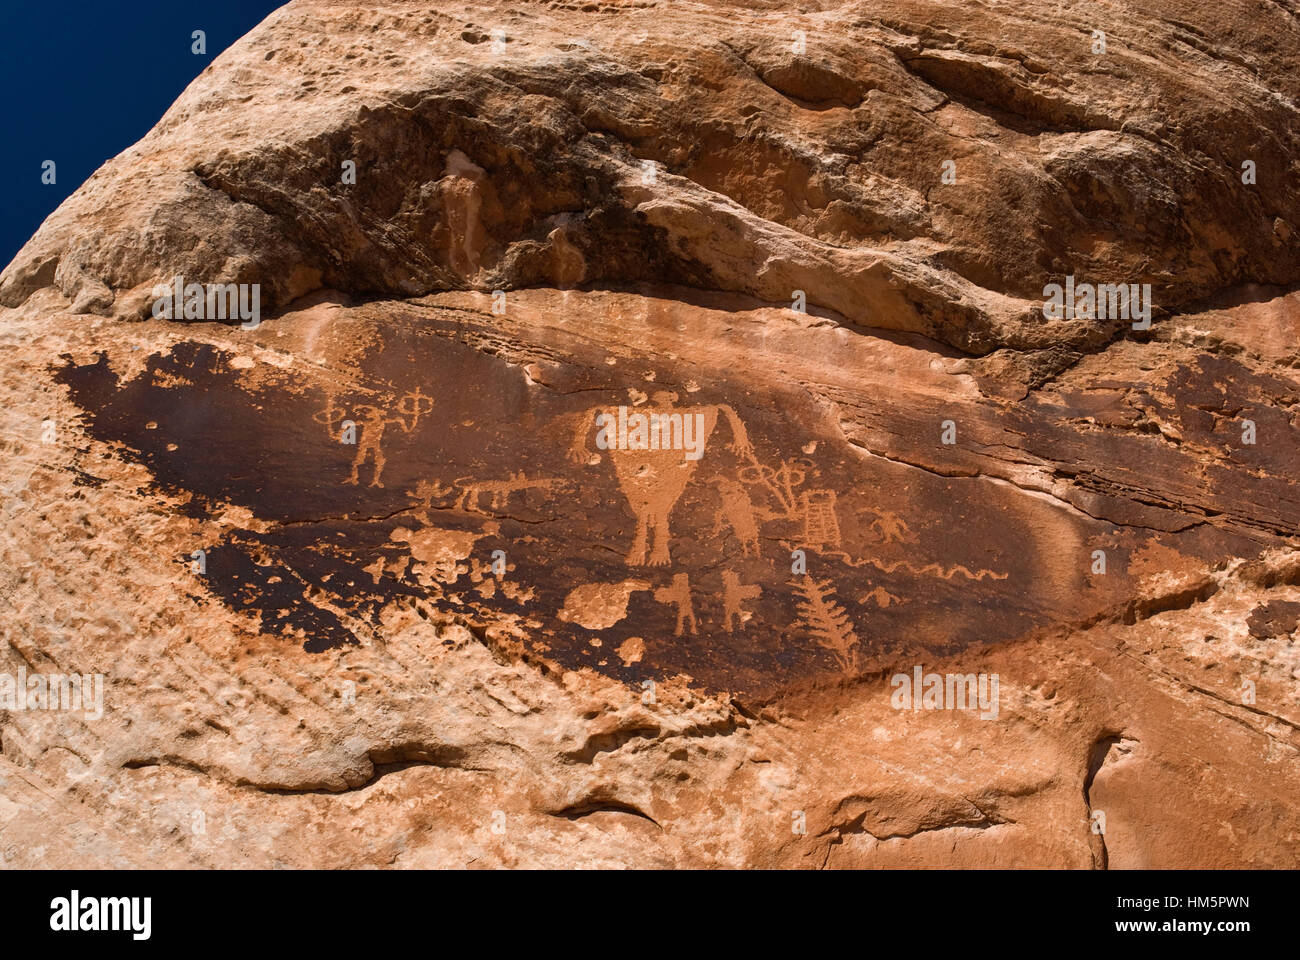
{"points": [[477, 637]]}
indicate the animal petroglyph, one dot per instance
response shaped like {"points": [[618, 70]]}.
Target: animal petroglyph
{"points": [[734, 594], [426, 492], [652, 480], [679, 593], [499, 492]]}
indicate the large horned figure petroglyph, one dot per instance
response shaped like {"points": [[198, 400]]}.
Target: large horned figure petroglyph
{"points": [[653, 474]]}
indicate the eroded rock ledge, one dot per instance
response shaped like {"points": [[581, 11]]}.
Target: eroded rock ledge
{"points": [[523, 160]]}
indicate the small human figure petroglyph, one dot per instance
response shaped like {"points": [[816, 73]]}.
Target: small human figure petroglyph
{"points": [[373, 424], [734, 594], [679, 593], [738, 512], [891, 527]]}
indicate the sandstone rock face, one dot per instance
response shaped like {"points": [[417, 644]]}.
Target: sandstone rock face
{"points": [[390, 578]]}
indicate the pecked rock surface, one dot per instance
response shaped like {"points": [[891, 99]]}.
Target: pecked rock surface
{"points": [[367, 589]]}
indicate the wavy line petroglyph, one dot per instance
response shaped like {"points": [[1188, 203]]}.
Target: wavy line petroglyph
{"points": [[930, 569]]}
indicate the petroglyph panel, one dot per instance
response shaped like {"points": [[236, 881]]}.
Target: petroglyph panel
{"points": [[442, 457]]}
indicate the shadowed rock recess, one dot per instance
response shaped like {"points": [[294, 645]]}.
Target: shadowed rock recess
{"points": [[648, 399]]}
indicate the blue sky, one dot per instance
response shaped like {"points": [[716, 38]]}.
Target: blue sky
{"points": [[84, 79]]}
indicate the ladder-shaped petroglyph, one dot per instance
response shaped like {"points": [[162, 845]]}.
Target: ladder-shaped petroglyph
{"points": [[821, 527], [814, 512], [812, 509]]}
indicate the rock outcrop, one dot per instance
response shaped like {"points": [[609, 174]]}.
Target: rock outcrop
{"points": [[391, 578]]}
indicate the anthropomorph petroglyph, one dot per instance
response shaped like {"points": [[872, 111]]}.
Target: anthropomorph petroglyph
{"points": [[679, 593], [880, 596], [370, 443], [890, 526], [734, 594], [737, 512], [373, 421], [652, 478]]}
